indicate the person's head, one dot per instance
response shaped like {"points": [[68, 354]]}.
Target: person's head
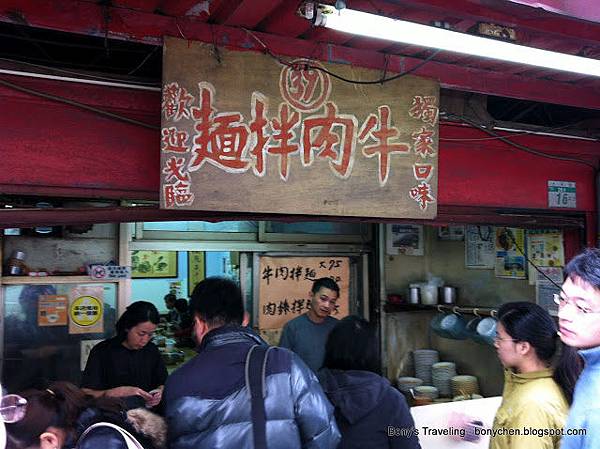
{"points": [[170, 300], [352, 345], [216, 302], [181, 305], [29, 296], [525, 333], [579, 304], [323, 297], [50, 417], [136, 326]]}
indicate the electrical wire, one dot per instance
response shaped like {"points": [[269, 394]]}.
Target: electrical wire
{"points": [[64, 44], [512, 135], [308, 66], [519, 146], [77, 105], [382, 80], [139, 66]]}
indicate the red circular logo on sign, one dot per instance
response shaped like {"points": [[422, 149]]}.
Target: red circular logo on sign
{"points": [[305, 88]]}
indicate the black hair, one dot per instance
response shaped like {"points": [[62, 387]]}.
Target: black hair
{"points": [[181, 305], [136, 313], [59, 405], [528, 322], [585, 266], [327, 283], [352, 345], [170, 298], [218, 301]]}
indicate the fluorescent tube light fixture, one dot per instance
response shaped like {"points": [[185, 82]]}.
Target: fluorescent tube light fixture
{"points": [[372, 25]]}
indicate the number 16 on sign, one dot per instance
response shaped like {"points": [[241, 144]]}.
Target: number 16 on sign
{"points": [[562, 194]]}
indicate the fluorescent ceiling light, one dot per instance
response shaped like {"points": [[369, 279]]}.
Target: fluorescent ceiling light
{"points": [[371, 25]]}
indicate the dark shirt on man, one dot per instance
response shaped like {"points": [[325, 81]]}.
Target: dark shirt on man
{"points": [[307, 339]]}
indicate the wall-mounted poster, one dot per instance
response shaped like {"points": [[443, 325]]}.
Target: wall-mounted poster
{"points": [[86, 310], [480, 247], [245, 133], [510, 260], [196, 269], [52, 310], [154, 264], [404, 239], [451, 233], [285, 284], [544, 249]]}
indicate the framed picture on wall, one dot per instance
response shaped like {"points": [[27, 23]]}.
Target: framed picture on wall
{"points": [[196, 269], [154, 264], [404, 239]]}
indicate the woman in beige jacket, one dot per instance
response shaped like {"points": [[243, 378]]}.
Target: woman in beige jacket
{"points": [[536, 396]]}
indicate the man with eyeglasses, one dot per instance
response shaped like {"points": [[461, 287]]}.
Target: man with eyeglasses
{"points": [[579, 323]]}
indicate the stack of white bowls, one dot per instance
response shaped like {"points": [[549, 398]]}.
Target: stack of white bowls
{"points": [[424, 359], [427, 391], [464, 385], [405, 384], [442, 372]]}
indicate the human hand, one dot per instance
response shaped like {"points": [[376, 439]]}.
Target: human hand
{"points": [[121, 392], [156, 397]]}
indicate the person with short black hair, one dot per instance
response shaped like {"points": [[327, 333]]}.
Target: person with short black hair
{"points": [[208, 401], [183, 331], [307, 334], [128, 365], [170, 300], [579, 327], [366, 405]]}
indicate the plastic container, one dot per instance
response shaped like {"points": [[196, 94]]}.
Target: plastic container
{"points": [[429, 294], [169, 344]]}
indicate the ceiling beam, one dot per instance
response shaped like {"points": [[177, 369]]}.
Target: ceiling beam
{"points": [[505, 12], [88, 18], [251, 12]]}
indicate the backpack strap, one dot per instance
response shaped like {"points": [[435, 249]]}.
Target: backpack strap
{"points": [[130, 440], [256, 366]]}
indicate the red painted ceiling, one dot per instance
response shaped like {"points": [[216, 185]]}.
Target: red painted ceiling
{"points": [[543, 24]]}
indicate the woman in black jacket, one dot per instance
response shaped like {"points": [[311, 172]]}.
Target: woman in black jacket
{"points": [[370, 413]]}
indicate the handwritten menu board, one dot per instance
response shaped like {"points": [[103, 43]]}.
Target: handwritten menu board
{"points": [[285, 284]]}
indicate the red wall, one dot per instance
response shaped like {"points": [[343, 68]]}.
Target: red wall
{"points": [[56, 149], [493, 173]]}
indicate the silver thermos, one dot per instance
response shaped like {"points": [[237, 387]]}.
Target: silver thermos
{"points": [[414, 295], [448, 295]]}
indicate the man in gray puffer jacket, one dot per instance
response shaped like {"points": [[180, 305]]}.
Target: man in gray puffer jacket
{"points": [[207, 401]]}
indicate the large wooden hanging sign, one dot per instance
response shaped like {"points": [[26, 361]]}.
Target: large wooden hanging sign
{"points": [[242, 132]]}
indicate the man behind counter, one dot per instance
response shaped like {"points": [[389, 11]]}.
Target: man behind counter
{"points": [[307, 334]]}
